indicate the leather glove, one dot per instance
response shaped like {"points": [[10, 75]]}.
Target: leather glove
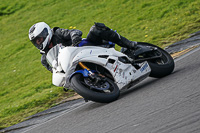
{"points": [[76, 40]]}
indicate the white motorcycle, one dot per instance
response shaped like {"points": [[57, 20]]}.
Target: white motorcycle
{"points": [[99, 73]]}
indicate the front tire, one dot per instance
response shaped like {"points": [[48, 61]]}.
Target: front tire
{"points": [[160, 67], [79, 85]]}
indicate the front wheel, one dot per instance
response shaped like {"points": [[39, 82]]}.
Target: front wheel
{"points": [[162, 66], [84, 87]]}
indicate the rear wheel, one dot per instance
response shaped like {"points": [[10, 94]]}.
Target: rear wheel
{"points": [[162, 66], [104, 92]]}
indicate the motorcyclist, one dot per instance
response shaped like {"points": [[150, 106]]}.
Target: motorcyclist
{"points": [[44, 38]]}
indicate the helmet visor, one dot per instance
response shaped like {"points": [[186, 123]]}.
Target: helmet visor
{"points": [[38, 40]]}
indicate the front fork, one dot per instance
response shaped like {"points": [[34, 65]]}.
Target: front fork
{"points": [[91, 74], [96, 81]]}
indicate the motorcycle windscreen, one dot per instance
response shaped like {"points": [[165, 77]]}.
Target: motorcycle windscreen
{"points": [[52, 54]]}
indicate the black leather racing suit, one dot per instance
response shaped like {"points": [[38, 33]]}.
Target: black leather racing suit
{"points": [[97, 34]]}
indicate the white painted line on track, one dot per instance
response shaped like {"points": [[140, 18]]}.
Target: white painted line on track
{"points": [[37, 125], [187, 54]]}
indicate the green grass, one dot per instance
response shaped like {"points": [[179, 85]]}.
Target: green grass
{"points": [[26, 85]]}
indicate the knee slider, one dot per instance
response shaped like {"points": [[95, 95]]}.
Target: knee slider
{"points": [[101, 26]]}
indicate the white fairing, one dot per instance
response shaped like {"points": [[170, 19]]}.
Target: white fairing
{"points": [[123, 73], [58, 79]]}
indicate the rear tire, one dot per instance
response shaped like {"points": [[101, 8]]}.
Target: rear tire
{"points": [[160, 67], [77, 82]]}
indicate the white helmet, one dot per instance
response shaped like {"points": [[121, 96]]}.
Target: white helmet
{"points": [[40, 35]]}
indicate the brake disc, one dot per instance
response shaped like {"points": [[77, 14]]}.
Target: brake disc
{"points": [[100, 85]]}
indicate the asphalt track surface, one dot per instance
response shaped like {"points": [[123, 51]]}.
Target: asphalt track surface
{"points": [[167, 105]]}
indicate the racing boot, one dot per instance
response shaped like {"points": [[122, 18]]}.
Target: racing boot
{"points": [[127, 47], [124, 42], [120, 40]]}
